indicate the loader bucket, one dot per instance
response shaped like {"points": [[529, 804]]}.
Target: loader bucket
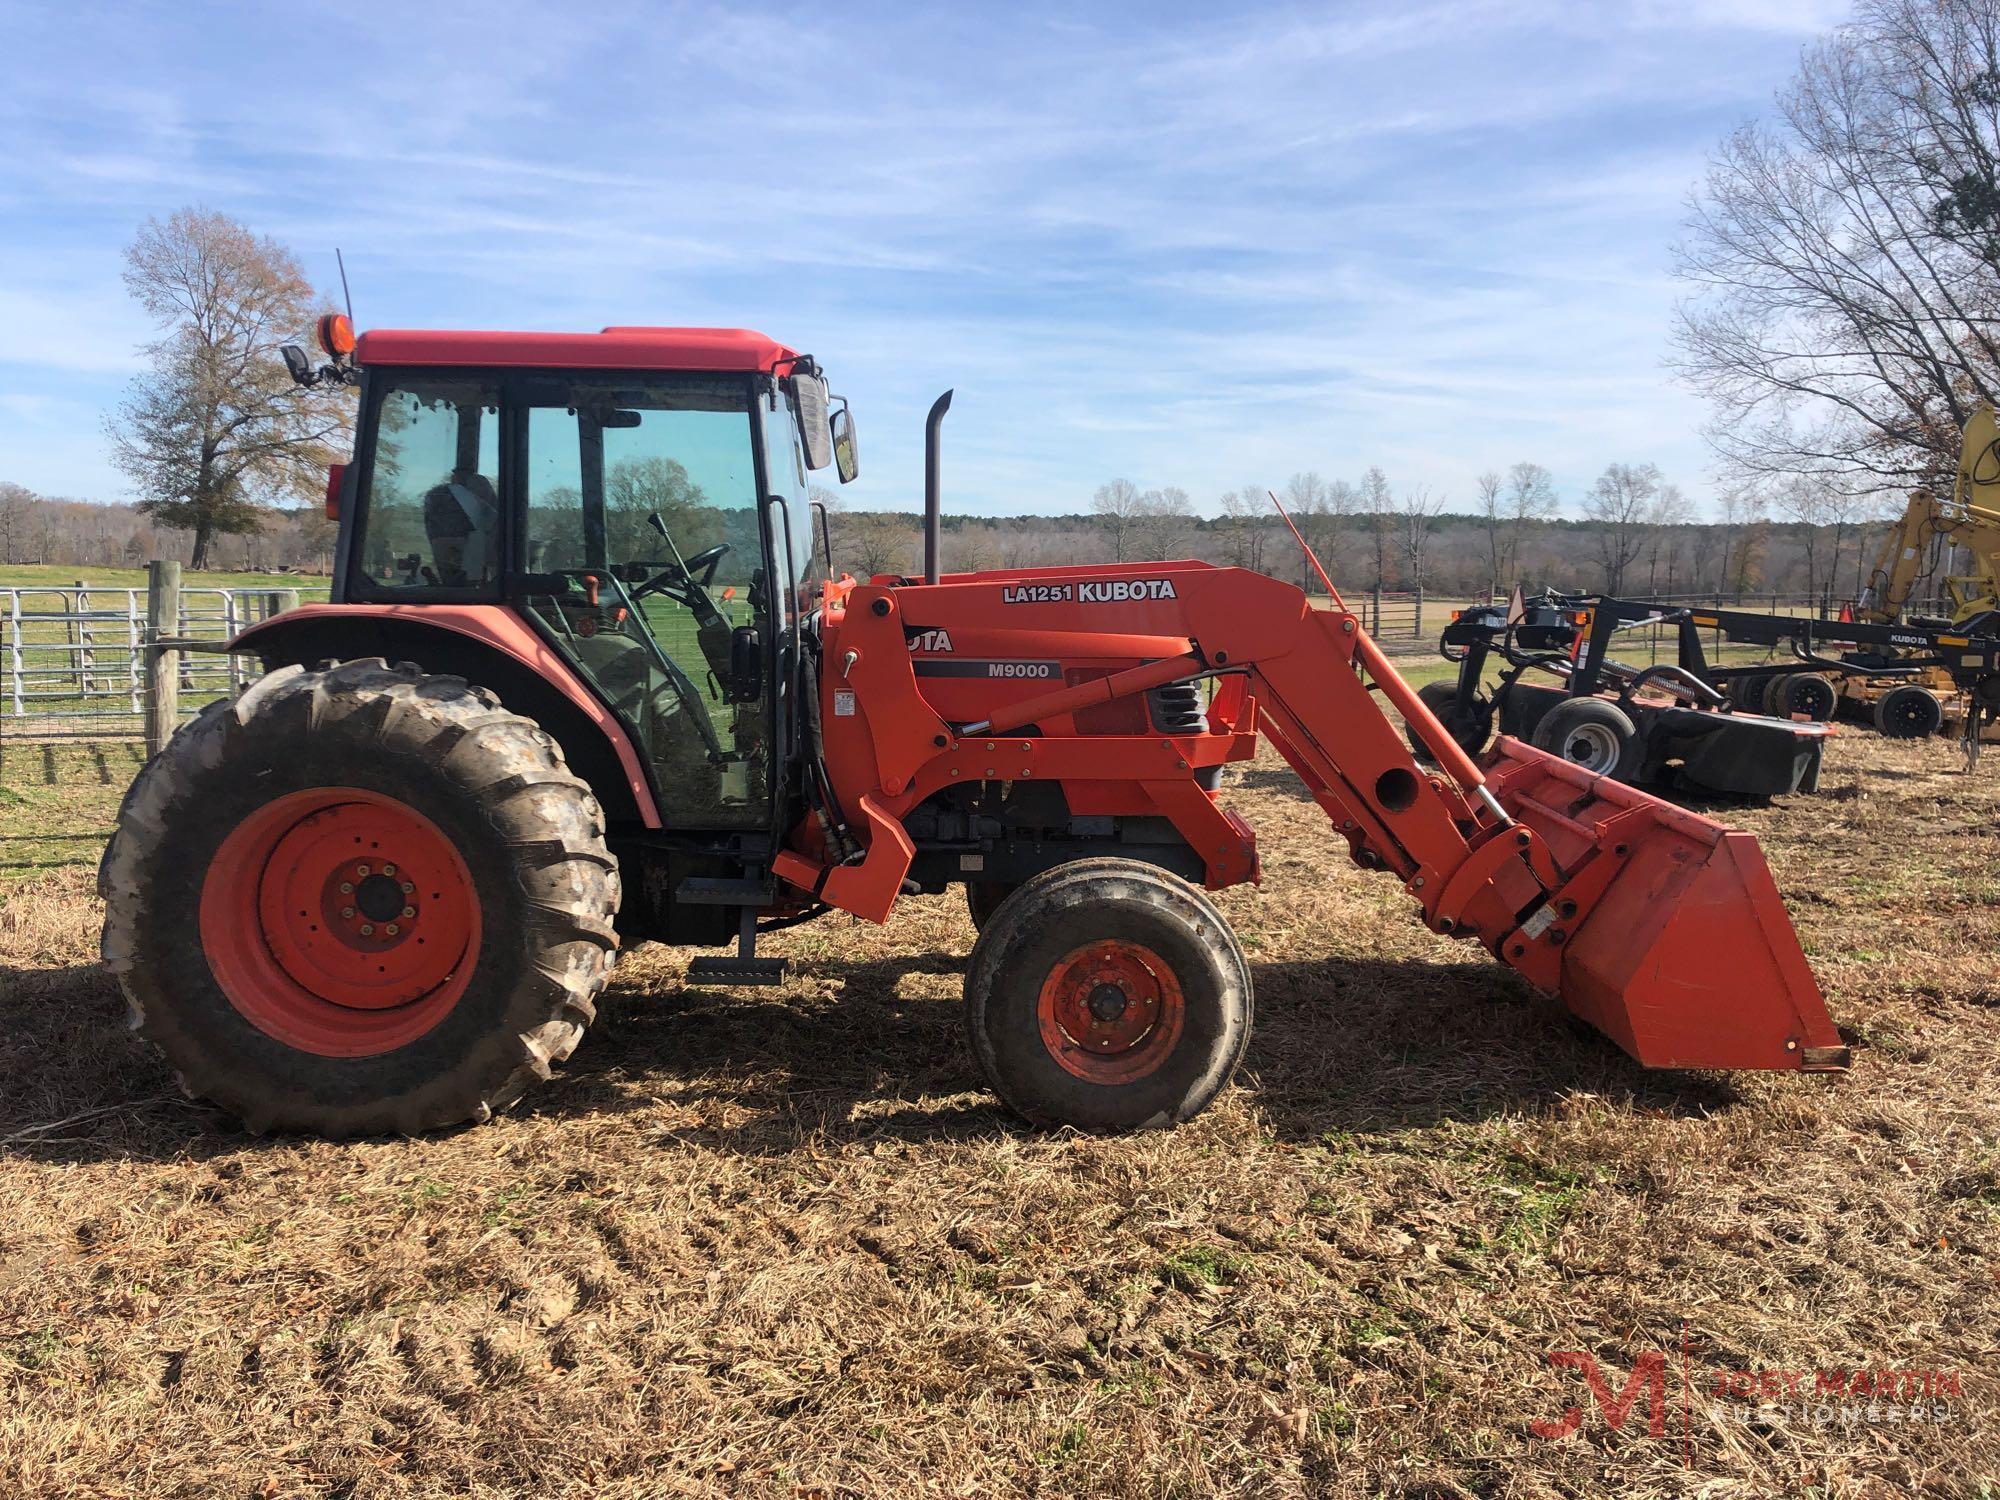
{"points": [[1678, 946]]}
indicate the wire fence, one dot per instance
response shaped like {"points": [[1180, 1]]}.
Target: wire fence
{"points": [[72, 659]]}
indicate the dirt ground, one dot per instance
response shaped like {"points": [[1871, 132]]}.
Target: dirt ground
{"points": [[782, 1243]]}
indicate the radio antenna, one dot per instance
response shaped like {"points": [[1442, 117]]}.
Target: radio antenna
{"points": [[345, 295]]}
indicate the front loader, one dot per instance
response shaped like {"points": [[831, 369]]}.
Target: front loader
{"points": [[586, 680]]}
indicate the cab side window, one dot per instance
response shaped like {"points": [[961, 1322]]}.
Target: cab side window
{"points": [[431, 518]]}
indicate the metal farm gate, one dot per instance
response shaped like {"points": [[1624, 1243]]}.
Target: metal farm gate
{"points": [[72, 660]]}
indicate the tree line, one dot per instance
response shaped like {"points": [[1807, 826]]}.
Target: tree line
{"points": [[1512, 535], [1446, 553]]}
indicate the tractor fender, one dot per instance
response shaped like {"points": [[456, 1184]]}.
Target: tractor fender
{"points": [[489, 646]]}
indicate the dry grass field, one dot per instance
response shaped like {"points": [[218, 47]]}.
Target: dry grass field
{"points": [[781, 1243]]}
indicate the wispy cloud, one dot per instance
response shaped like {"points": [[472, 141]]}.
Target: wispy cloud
{"points": [[1185, 245]]}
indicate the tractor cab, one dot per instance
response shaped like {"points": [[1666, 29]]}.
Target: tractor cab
{"points": [[638, 500]]}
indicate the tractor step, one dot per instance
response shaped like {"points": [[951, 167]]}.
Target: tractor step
{"points": [[731, 969], [711, 890]]}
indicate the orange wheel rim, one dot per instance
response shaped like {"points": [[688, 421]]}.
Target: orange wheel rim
{"points": [[340, 921], [1111, 1012]]}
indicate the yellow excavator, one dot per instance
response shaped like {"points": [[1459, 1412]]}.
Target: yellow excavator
{"points": [[1969, 519]]}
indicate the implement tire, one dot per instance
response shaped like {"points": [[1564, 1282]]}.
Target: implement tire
{"points": [[1108, 995], [1909, 712], [1472, 733], [359, 900], [1594, 733]]}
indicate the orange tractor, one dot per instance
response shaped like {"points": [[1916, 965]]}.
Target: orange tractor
{"points": [[586, 679]]}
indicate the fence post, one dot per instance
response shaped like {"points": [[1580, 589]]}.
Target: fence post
{"points": [[1375, 626], [1417, 626], [163, 618]]}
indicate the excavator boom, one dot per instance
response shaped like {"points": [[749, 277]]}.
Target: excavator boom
{"points": [[1660, 927]]}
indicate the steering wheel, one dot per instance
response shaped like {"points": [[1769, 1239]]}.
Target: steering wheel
{"points": [[699, 572], [683, 685]]}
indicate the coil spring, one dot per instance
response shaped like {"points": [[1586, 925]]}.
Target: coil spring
{"points": [[1177, 709]]}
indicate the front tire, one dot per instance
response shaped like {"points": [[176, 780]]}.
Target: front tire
{"points": [[360, 900], [1108, 995]]}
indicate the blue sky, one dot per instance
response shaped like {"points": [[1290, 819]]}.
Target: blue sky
{"points": [[1178, 243]]}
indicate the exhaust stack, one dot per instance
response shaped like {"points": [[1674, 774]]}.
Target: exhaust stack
{"points": [[934, 485]]}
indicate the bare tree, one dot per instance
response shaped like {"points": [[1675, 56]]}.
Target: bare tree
{"points": [[1246, 513], [872, 544], [1164, 525], [216, 429], [1805, 502], [1619, 503], [1378, 509], [1419, 509], [1487, 487], [1531, 498], [1119, 502], [1844, 255], [1667, 519]]}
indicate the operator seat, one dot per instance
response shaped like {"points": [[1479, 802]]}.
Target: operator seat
{"points": [[462, 522]]}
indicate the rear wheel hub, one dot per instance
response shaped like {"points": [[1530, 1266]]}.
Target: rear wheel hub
{"points": [[340, 921]]}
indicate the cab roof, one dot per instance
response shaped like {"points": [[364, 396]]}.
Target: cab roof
{"points": [[720, 349]]}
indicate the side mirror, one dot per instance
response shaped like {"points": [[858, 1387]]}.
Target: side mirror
{"points": [[846, 460], [809, 391], [746, 664], [300, 367]]}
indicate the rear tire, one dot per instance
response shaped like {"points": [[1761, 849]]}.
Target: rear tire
{"points": [[1108, 995], [1593, 733], [1755, 694], [1909, 712], [300, 993]]}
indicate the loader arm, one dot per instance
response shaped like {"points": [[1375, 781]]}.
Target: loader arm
{"points": [[1660, 927]]}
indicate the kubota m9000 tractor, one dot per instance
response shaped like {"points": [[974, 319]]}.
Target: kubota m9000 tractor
{"points": [[585, 678]]}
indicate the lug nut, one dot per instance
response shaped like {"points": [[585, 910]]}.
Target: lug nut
{"points": [[409, 911], [388, 869], [361, 869], [347, 911], [392, 929], [407, 888], [346, 887], [368, 929]]}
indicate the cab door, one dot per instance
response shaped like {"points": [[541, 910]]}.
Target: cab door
{"points": [[643, 555]]}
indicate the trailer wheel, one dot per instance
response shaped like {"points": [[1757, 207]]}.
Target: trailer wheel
{"points": [[1109, 995], [1591, 732], [1909, 712], [360, 900], [1805, 693], [1471, 733], [983, 898], [1757, 695]]}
